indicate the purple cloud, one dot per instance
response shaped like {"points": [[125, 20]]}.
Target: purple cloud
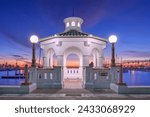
{"points": [[132, 53]]}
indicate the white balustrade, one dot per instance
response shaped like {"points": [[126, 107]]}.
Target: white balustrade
{"points": [[73, 73]]}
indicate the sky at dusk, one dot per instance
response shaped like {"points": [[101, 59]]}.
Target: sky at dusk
{"points": [[128, 19]]}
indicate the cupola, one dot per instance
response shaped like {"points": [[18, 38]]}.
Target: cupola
{"points": [[73, 23]]}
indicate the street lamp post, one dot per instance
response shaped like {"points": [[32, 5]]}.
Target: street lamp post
{"points": [[34, 39], [113, 40], [26, 82], [121, 76]]}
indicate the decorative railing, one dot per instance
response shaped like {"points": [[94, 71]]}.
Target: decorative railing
{"points": [[46, 78], [71, 73], [100, 77]]}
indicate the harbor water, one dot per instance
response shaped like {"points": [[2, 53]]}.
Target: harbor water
{"points": [[137, 78], [10, 81]]}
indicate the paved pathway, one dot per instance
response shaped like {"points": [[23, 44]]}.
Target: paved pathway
{"points": [[73, 94], [73, 84]]}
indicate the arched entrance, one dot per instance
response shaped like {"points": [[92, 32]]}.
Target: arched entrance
{"points": [[73, 70], [51, 59], [95, 58]]}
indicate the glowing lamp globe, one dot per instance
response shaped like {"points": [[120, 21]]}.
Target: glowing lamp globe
{"points": [[113, 39], [34, 39]]}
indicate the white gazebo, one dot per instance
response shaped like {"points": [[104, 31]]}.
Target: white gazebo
{"points": [[87, 47], [73, 40]]}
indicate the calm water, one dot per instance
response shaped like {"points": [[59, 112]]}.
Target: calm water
{"points": [[132, 78], [9, 81], [137, 78]]}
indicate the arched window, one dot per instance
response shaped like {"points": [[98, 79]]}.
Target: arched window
{"points": [[79, 24], [73, 23], [67, 25]]}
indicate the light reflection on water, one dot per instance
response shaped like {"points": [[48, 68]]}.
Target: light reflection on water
{"points": [[137, 78]]}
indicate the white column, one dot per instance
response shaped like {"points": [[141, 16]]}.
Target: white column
{"points": [[51, 54], [45, 59], [94, 60], [99, 62], [51, 60], [101, 59], [85, 60], [60, 60]]}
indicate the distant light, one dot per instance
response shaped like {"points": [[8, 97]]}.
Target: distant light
{"points": [[113, 39], [34, 39], [55, 35], [90, 35]]}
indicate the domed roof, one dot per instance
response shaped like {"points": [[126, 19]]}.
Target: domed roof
{"points": [[73, 33]]}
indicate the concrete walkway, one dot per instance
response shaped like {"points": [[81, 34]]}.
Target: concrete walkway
{"points": [[73, 94], [72, 84]]}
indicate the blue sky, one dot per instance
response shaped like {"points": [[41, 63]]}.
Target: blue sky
{"points": [[128, 19]]}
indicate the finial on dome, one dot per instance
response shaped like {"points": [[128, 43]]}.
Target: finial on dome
{"points": [[73, 23]]}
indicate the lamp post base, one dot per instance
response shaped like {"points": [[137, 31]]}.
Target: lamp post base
{"points": [[121, 83], [26, 83]]}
